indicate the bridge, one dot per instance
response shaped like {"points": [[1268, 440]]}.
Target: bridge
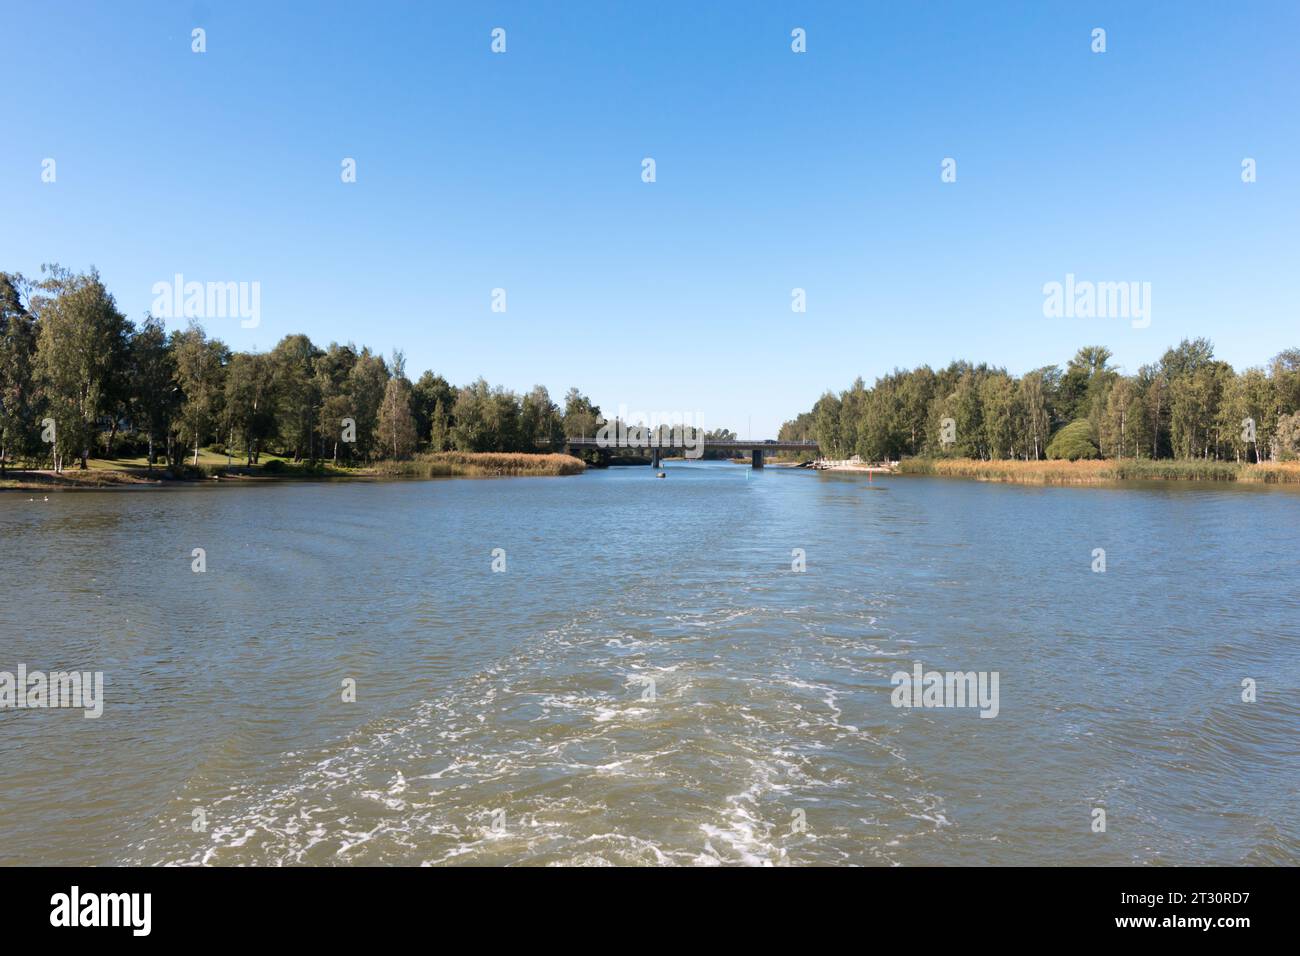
{"points": [[656, 446]]}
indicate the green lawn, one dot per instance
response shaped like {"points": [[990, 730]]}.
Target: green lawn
{"points": [[207, 459]]}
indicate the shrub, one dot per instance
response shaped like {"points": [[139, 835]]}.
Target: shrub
{"points": [[1073, 442], [187, 472], [299, 469]]}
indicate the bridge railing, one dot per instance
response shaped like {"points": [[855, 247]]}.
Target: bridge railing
{"points": [[653, 441]]}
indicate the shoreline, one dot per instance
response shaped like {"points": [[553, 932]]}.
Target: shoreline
{"points": [[859, 469], [103, 476], [100, 477]]}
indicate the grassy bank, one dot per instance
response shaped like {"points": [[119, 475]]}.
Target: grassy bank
{"points": [[1099, 472], [100, 474], [73, 478], [480, 465], [124, 473]]}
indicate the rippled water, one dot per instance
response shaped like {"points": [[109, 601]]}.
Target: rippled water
{"points": [[503, 718]]}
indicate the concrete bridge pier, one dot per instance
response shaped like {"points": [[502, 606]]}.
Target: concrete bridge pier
{"points": [[654, 457], [757, 460]]}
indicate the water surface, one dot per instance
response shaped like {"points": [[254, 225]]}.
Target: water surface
{"points": [[504, 718]]}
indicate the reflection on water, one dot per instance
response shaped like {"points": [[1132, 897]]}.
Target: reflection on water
{"points": [[649, 681]]}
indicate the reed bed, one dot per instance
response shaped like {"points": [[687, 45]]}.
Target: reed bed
{"points": [[1101, 471], [480, 465]]}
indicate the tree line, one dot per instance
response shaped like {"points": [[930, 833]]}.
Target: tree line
{"points": [[79, 380], [1188, 405]]}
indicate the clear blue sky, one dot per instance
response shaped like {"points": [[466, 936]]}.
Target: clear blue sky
{"points": [[775, 170]]}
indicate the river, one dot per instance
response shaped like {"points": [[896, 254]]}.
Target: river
{"points": [[646, 677]]}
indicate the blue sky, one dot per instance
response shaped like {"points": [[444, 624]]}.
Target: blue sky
{"points": [[775, 170]]}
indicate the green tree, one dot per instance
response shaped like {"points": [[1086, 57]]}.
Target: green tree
{"points": [[1000, 415], [201, 373], [155, 394], [540, 423], [333, 369], [429, 391], [1037, 421], [826, 426], [800, 428], [1153, 383], [18, 398], [298, 397], [1287, 437], [1119, 431], [396, 423], [915, 391], [486, 419], [80, 353], [250, 401], [1073, 442], [1284, 373], [367, 385], [581, 417], [965, 410], [1262, 406], [439, 429]]}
